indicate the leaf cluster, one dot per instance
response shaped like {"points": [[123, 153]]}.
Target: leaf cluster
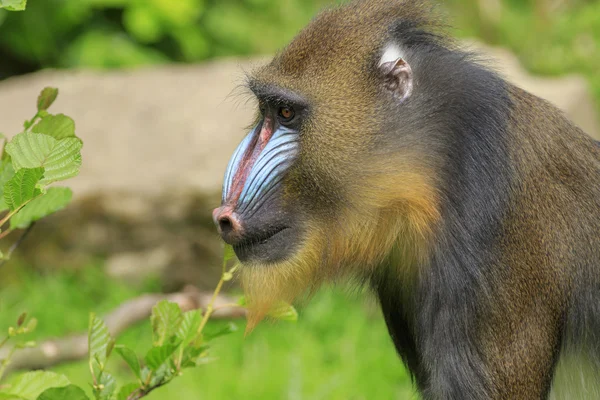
{"points": [[45, 152], [179, 342]]}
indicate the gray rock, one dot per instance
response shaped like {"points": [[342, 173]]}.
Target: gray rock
{"points": [[146, 131]]}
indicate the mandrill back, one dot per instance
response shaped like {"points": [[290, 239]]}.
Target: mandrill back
{"points": [[384, 153]]}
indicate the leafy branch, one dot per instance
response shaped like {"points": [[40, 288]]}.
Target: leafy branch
{"points": [[180, 342], [47, 151]]}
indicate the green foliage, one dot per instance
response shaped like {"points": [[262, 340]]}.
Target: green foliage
{"points": [[46, 98], [45, 152], [117, 33], [60, 159], [55, 199], [166, 319], [339, 351], [125, 33], [70, 392], [549, 40], [179, 342], [30, 385], [21, 188], [13, 5], [58, 126]]}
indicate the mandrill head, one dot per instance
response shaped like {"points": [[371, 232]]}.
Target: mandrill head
{"points": [[337, 174]]}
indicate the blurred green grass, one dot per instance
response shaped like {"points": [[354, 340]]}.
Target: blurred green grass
{"points": [[338, 350]]}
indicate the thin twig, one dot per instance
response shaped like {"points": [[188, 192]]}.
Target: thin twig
{"points": [[210, 307]]}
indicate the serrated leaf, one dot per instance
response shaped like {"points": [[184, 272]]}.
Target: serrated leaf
{"points": [[166, 318], [31, 384], [61, 159], [48, 94], [157, 356], [70, 392], [228, 253], [58, 126], [55, 199], [224, 330], [131, 359], [6, 174], [99, 340], [283, 312], [163, 374], [22, 187], [127, 390], [189, 326], [191, 355], [108, 385]]}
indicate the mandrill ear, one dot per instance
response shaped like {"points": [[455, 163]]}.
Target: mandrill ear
{"points": [[396, 72]]}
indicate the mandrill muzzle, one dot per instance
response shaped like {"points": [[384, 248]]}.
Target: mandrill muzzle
{"points": [[252, 217]]}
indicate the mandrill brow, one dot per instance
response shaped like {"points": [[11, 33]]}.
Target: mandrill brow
{"points": [[383, 153]]}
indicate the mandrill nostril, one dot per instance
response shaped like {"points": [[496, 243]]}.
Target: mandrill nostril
{"points": [[226, 225]]}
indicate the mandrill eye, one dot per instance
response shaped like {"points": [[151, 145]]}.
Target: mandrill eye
{"points": [[286, 114]]}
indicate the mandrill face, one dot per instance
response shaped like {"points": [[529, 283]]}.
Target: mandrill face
{"points": [[262, 215], [257, 217], [335, 175]]}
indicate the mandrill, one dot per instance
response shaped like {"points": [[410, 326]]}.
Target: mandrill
{"points": [[384, 153]]}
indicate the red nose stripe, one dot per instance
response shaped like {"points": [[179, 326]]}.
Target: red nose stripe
{"points": [[248, 160]]}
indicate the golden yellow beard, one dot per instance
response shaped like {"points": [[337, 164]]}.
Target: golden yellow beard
{"points": [[382, 223], [267, 285]]}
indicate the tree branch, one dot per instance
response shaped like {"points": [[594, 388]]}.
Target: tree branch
{"points": [[72, 348]]}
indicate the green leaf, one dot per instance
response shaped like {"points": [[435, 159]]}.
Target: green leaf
{"points": [[31, 384], [126, 390], [283, 312], [228, 253], [22, 187], [191, 355], [70, 392], [61, 159], [7, 396], [131, 359], [58, 126], [164, 374], [225, 330], [166, 318], [55, 199], [47, 96], [157, 356], [99, 340], [108, 385], [188, 328], [6, 174]]}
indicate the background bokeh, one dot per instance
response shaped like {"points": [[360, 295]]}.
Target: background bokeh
{"points": [[339, 349], [550, 36]]}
